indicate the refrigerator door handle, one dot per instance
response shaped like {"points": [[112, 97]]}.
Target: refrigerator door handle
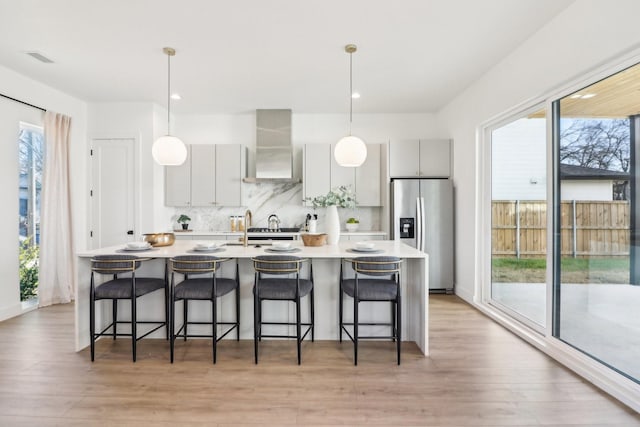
{"points": [[418, 224], [423, 230]]}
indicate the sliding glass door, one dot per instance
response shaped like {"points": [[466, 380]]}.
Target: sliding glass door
{"points": [[519, 217], [597, 264]]}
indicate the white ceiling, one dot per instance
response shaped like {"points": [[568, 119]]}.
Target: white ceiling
{"points": [[235, 56]]}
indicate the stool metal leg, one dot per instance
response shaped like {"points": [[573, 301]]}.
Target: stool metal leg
{"points": [[92, 319], [313, 324], [298, 329], [398, 325], [355, 331], [134, 337], [256, 320], [114, 315], [214, 325]]}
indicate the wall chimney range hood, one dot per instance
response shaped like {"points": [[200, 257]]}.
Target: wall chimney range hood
{"points": [[274, 150]]}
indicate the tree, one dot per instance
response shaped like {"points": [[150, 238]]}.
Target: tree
{"points": [[31, 159], [599, 144], [596, 143]]}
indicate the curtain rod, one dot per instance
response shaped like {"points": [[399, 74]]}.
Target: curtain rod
{"points": [[25, 103]]}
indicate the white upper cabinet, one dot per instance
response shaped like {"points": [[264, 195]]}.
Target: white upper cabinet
{"points": [[230, 169], [211, 176], [430, 158], [316, 170], [368, 178], [322, 173], [203, 175], [177, 183], [341, 175]]}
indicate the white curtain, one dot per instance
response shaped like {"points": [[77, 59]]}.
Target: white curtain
{"points": [[57, 257]]}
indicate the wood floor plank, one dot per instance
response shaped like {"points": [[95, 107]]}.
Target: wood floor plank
{"points": [[478, 374]]}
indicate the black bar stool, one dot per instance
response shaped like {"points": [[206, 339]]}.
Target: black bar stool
{"points": [[118, 288], [364, 287], [277, 277], [206, 286]]}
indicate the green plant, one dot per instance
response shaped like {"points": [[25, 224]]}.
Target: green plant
{"points": [[28, 271], [183, 219], [353, 221], [341, 197]]}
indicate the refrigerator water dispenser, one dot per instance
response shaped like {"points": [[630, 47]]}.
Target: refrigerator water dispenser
{"points": [[407, 227]]}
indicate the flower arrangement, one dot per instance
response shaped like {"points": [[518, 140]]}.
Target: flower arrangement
{"points": [[341, 197]]}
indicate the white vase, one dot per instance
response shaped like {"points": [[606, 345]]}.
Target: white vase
{"points": [[332, 225]]}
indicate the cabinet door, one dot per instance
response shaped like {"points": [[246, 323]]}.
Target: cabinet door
{"points": [[404, 160], [229, 174], [435, 158], [203, 177], [341, 175], [317, 170], [367, 178], [177, 183]]}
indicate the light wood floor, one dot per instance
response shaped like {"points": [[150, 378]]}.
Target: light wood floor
{"points": [[477, 374]]}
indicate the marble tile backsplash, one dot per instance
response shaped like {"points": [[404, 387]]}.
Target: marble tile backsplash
{"points": [[264, 199]]}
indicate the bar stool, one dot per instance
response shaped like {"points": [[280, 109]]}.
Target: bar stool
{"points": [[277, 277], [123, 288], [384, 287], [206, 286]]}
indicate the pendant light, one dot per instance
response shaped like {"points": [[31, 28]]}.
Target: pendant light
{"points": [[350, 151], [169, 150]]}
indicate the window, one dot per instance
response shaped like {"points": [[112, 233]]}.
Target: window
{"points": [[519, 217], [31, 159], [597, 269]]}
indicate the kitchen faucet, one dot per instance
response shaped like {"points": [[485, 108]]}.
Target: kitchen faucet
{"points": [[247, 224]]}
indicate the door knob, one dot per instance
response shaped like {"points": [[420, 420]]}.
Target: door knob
{"points": [[130, 232]]}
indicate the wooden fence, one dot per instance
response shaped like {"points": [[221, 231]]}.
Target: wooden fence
{"points": [[589, 228]]}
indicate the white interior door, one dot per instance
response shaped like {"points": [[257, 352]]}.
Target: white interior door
{"points": [[112, 192]]}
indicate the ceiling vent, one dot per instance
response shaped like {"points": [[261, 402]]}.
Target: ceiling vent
{"points": [[40, 57]]}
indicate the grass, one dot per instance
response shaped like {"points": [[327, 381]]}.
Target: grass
{"points": [[573, 270]]}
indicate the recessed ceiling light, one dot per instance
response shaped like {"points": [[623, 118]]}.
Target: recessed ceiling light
{"points": [[581, 96], [40, 57], [355, 95], [175, 96]]}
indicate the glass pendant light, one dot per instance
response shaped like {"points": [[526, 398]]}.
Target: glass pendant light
{"points": [[350, 151], [169, 150]]}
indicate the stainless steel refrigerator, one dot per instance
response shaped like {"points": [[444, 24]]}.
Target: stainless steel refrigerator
{"points": [[422, 217]]}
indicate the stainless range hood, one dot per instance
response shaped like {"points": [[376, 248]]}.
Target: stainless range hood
{"points": [[274, 150]]}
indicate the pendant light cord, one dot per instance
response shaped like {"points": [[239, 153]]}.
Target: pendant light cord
{"points": [[168, 94], [350, 90]]}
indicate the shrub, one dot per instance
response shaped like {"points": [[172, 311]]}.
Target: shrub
{"points": [[29, 257]]}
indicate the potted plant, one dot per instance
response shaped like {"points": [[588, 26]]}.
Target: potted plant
{"points": [[184, 221], [352, 224]]}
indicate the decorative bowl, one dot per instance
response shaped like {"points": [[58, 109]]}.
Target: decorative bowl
{"points": [[159, 239], [310, 239]]}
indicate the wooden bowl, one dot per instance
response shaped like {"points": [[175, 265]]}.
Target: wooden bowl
{"points": [[310, 239]]}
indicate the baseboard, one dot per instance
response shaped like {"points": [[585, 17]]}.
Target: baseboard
{"points": [[464, 294], [10, 311]]}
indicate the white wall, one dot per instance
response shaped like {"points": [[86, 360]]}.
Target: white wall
{"points": [[305, 129], [519, 161], [580, 38], [586, 190], [27, 90]]}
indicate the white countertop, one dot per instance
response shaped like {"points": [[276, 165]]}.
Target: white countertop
{"points": [[279, 233], [341, 250]]}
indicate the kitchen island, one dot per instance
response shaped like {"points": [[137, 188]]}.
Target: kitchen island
{"points": [[326, 262]]}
